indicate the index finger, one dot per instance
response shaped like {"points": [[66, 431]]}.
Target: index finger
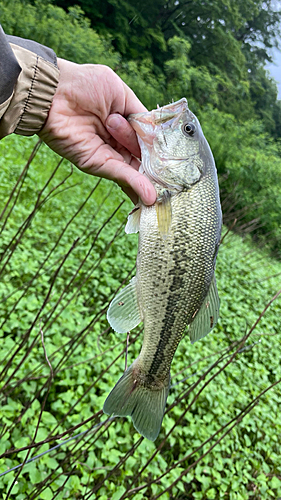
{"points": [[123, 133], [132, 103]]}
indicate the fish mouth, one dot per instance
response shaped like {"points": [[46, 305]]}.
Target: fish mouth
{"points": [[145, 123], [161, 114]]}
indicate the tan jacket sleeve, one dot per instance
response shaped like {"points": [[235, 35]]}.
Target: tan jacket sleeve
{"points": [[4, 106], [26, 110]]}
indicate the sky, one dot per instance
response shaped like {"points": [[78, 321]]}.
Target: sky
{"points": [[275, 69]]}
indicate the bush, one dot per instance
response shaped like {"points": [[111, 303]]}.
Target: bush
{"points": [[68, 34], [249, 166]]}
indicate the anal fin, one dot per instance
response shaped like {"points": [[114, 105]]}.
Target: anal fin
{"points": [[207, 316], [124, 312]]}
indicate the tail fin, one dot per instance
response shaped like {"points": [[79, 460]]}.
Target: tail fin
{"points": [[146, 405]]}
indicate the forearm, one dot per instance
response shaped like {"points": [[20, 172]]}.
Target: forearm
{"points": [[28, 81]]}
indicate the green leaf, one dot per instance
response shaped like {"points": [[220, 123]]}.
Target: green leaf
{"points": [[35, 476], [275, 483], [47, 494], [118, 493]]}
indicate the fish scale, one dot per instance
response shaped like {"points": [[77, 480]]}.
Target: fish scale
{"points": [[187, 296], [174, 286]]}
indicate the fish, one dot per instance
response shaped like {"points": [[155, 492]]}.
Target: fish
{"points": [[174, 289]]}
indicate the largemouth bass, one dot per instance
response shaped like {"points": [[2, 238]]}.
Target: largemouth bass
{"points": [[179, 239]]}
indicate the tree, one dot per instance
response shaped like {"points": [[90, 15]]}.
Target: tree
{"points": [[229, 40]]}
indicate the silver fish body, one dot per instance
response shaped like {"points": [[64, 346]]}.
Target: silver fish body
{"points": [[178, 242]]}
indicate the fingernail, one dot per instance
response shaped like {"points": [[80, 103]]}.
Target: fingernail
{"points": [[113, 121]]}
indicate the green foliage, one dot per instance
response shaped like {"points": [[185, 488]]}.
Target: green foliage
{"points": [[132, 25], [58, 274], [140, 77], [249, 163], [211, 26], [228, 42], [202, 84], [85, 355], [68, 34], [214, 54], [247, 158]]}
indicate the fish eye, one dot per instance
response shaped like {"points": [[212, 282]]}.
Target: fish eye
{"points": [[189, 129]]}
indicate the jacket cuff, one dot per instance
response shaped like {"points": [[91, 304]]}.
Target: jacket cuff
{"points": [[33, 94]]}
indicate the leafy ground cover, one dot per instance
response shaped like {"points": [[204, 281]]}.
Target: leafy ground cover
{"points": [[63, 255]]}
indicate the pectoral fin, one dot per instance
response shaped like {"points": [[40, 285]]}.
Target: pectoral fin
{"points": [[124, 312], [164, 214], [207, 316], [133, 222]]}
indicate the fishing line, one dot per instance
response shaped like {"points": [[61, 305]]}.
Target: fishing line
{"points": [[126, 354], [58, 446]]}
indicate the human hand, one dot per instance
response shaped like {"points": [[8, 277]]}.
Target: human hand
{"points": [[86, 125]]}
